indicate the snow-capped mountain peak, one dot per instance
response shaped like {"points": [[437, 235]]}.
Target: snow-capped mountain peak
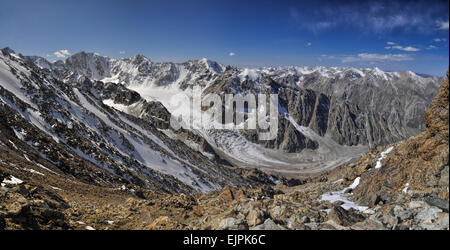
{"points": [[139, 59], [212, 65]]}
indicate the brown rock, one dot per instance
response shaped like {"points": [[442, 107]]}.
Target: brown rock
{"points": [[325, 226], [368, 224], [374, 199], [161, 223], [256, 217], [230, 194], [227, 193], [345, 217]]}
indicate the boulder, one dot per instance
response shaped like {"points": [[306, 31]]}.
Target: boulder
{"points": [[417, 204], [374, 199], [256, 217], [437, 202], [161, 223], [402, 213], [345, 217], [428, 214], [437, 221], [231, 194], [368, 224], [389, 219], [268, 225], [232, 224]]}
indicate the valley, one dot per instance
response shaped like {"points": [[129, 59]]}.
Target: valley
{"points": [[87, 144]]}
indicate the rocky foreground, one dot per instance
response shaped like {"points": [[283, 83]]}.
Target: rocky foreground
{"points": [[402, 186]]}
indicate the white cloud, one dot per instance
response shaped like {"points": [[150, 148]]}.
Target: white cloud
{"points": [[349, 59], [328, 56], [442, 25], [407, 48], [232, 54], [62, 53], [367, 57], [121, 52], [440, 40], [308, 44], [431, 47], [379, 17], [325, 56]]}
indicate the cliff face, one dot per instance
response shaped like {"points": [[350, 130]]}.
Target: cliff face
{"points": [[419, 166]]}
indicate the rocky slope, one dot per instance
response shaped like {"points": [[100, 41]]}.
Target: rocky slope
{"points": [[416, 167]]}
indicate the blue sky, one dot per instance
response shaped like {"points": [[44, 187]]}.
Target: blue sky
{"points": [[391, 35]]}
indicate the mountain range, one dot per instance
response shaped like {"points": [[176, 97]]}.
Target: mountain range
{"points": [[86, 143], [112, 116]]}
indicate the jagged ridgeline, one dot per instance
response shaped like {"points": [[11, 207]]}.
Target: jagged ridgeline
{"points": [[107, 120]]}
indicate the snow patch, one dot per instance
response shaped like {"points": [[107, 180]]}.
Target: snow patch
{"points": [[12, 181], [56, 188], [342, 196], [26, 157], [251, 74], [338, 181], [34, 171], [383, 155], [49, 170], [19, 134], [14, 145], [405, 190], [354, 184]]}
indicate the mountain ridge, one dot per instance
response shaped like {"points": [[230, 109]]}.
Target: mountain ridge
{"points": [[81, 153], [311, 68], [320, 129]]}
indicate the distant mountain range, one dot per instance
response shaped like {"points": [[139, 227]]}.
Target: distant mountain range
{"points": [[107, 120]]}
